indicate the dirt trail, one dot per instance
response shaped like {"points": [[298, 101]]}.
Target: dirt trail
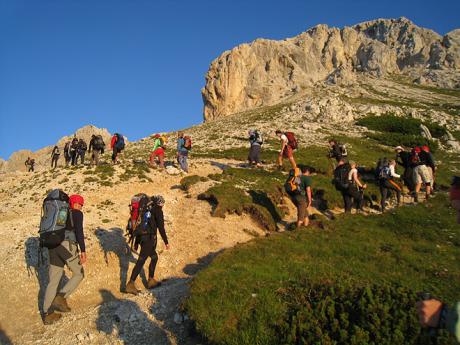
{"points": [[101, 313]]}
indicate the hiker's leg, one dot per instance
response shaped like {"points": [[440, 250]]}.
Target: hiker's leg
{"points": [[83, 157], [395, 187], [292, 161], [301, 210], [383, 196], [348, 201], [161, 158], [96, 157], [153, 264], [280, 160], [138, 267], [75, 267], [55, 271], [184, 164], [114, 155]]}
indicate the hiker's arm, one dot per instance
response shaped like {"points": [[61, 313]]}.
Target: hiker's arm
{"points": [[393, 172], [358, 182], [161, 225], [78, 225], [309, 199]]}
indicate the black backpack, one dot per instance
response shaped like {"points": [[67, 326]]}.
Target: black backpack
{"points": [[98, 142], [53, 221], [340, 180], [139, 210], [82, 146]]}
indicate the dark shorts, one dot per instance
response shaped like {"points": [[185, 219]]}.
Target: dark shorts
{"points": [[148, 245], [288, 152], [300, 201]]}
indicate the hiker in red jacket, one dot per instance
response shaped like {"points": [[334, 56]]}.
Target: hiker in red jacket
{"points": [[117, 144]]}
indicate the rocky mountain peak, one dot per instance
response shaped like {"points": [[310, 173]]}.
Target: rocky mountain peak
{"points": [[266, 71]]}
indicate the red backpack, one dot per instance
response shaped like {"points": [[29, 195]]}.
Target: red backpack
{"points": [[292, 141], [137, 207], [188, 142]]}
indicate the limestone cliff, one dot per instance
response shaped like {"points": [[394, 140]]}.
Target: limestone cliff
{"points": [[265, 71]]}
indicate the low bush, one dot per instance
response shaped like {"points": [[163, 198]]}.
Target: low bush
{"points": [[402, 125], [189, 181], [396, 139]]}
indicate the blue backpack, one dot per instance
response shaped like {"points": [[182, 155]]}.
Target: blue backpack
{"points": [[120, 144]]}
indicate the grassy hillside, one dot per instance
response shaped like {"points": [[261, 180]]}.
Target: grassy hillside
{"points": [[266, 291]]}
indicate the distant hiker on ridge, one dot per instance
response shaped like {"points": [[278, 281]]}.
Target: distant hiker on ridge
{"points": [[288, 145], [30, 164], [184, 144], [117, 144], [81, 151], [67, 155], [96, 147], [55, 156], [158, 151], [73, 150]]}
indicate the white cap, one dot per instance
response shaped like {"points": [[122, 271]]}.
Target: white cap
{"points": [[399, 148]]}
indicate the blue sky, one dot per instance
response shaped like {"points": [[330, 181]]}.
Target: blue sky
{"points": [[137, 66]]}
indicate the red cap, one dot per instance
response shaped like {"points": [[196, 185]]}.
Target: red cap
{"points": [[76, 199], [425, 148], [156, 136], [417, 149]]}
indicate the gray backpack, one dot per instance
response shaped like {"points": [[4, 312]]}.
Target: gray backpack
{"points": [[55, 212]]}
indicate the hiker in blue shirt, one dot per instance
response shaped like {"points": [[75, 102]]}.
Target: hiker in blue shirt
{"points": [[183, 146]]}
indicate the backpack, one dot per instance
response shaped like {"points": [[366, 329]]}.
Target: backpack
{"points": [[163, 141], [383, 172], [55, 211], [340, 180], [292, 141], [187, 142], [74, 144], [67, 147], [98, 142], [138, 208], [120, 143], [258, 138], [414, 157], [292, 184], [82, 146], [343, 150]]}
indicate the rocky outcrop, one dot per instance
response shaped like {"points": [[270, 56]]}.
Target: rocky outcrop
{"points": [[265, 71], [43, 156]]}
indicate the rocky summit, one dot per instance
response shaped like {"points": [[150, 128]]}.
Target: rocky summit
{"points": [[265, 72]]}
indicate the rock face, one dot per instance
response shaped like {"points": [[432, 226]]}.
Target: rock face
{"points": [[43, 156], [265, 71]]}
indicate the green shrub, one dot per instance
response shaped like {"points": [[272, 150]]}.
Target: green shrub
{"points": [[189, 181], [395, 139], [402, 125]]}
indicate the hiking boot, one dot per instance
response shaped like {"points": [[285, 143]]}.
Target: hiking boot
{"points": [[60, 303], [131, 288], [51, 318], [152, 283]]}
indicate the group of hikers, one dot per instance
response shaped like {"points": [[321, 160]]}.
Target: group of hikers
{"points": [[61, 226]]}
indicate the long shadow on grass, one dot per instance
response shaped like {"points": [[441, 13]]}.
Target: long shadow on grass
{"points": [[262, 199]]}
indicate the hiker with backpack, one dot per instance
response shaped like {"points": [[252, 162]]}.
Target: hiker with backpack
{"points": [[298, 187], [184, 145], [30, 164], [256, 141], [96, 148], [117, 144], [454, 195], [159, 143], [67, 155], [427, 158], [288, 145], [55, 156], [422, 174], [61, 231], [73, 150], [336, 150], [150, 221], [81, 151], [386, 175], [403, 159], [347, 182]]}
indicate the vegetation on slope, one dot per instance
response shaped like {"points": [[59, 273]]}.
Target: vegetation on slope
{"points": [[333, 286]]}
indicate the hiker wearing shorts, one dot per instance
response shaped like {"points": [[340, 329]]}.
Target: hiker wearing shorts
{"points": [[354, 194], [158, 151], [387, 184], [55, 154], [148, 242], [427, 158], [303, 199], [454, 195], [422, 174], [182, 152], [117, 144], [286, 150], [71, 253]]}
